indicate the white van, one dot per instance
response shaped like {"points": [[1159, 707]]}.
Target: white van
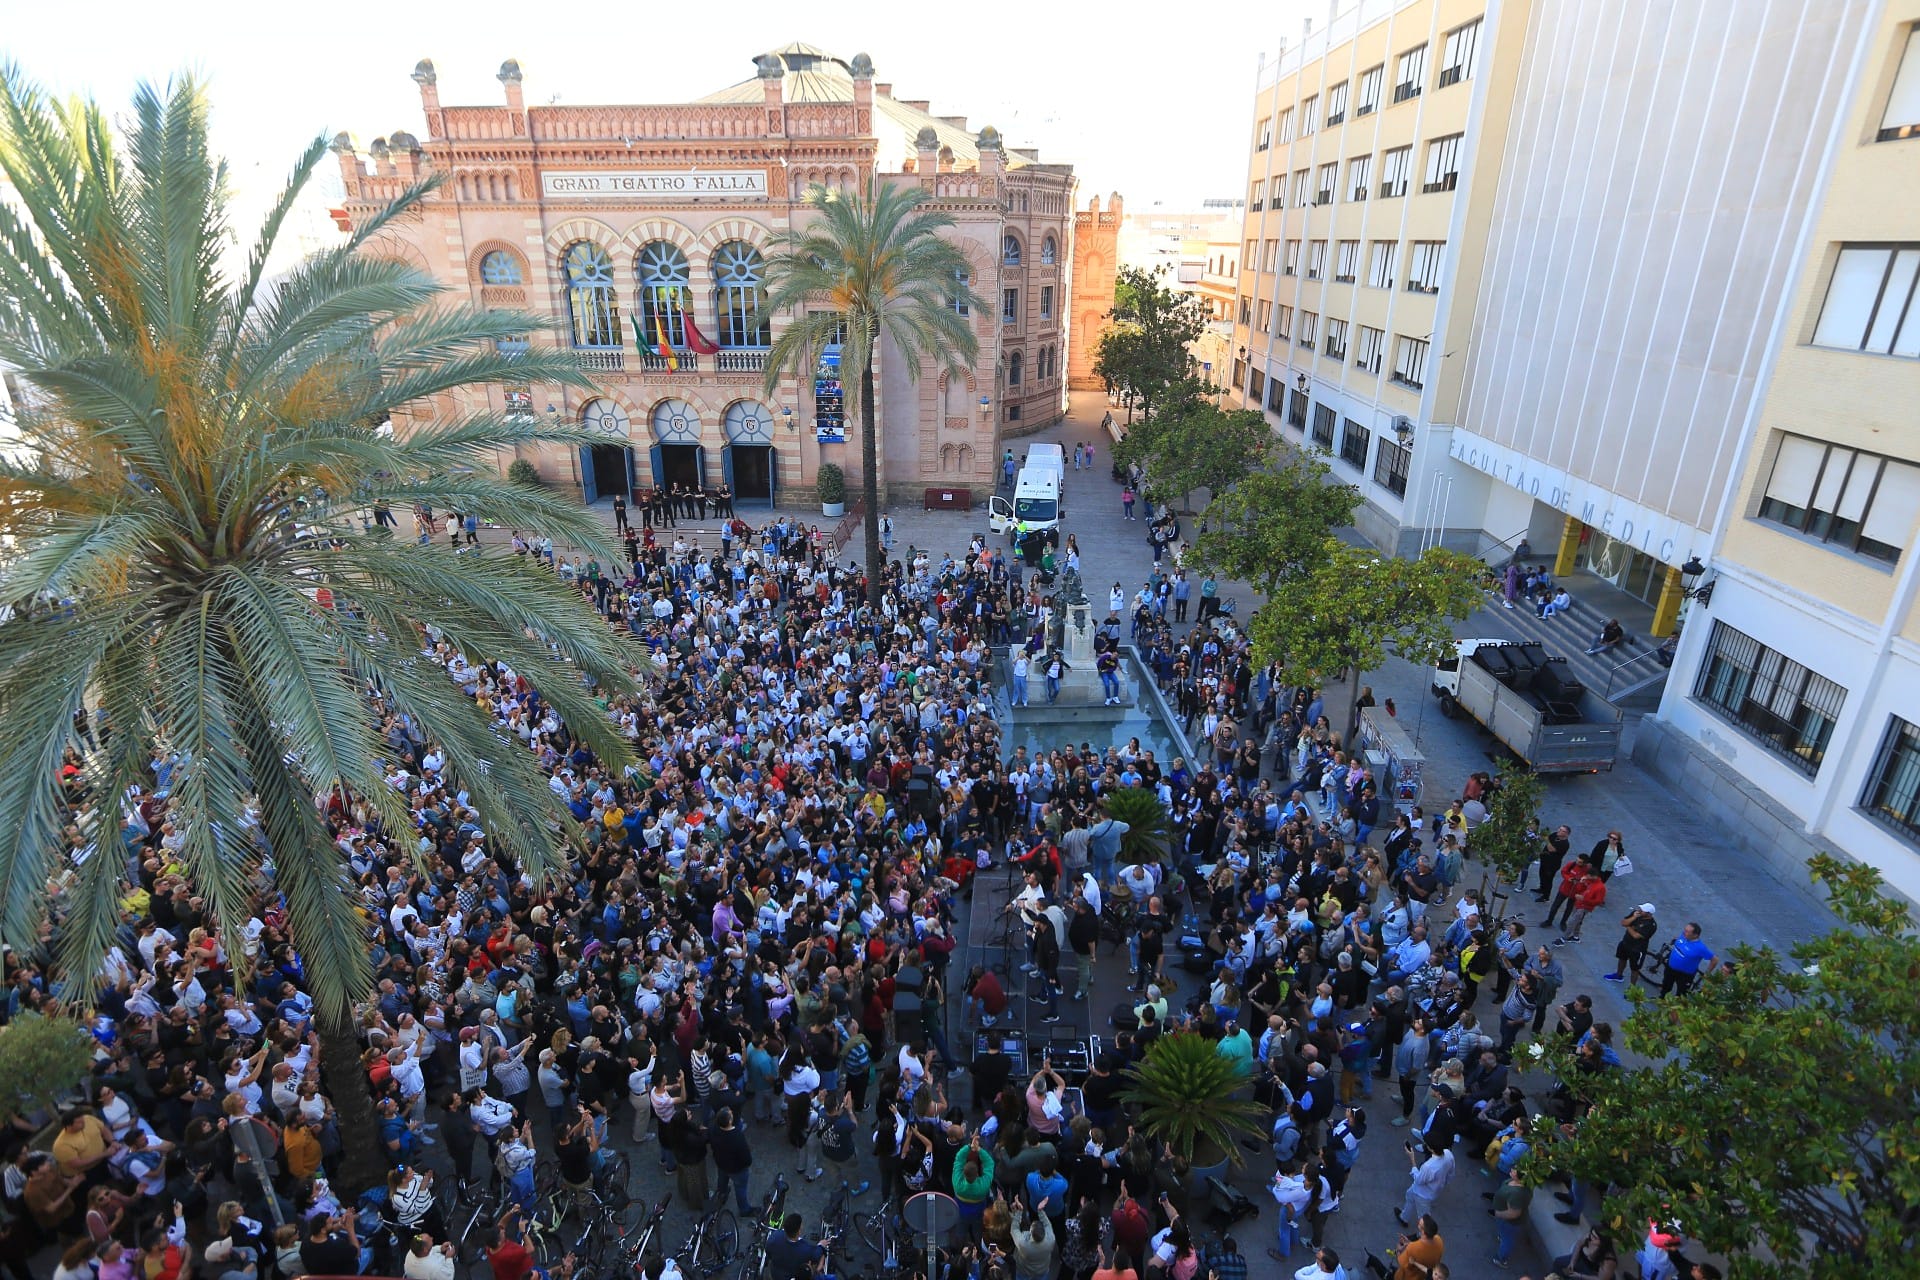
{"points": [[1035, 505], [1049, 456]]}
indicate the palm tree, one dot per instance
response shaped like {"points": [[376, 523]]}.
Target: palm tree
{"points": [[194, 464], [870, 266]]}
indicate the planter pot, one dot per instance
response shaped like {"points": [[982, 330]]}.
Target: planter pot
{"points": [[1209, 1161], [833, 508]]}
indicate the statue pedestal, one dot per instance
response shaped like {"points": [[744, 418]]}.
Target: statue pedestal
{"points": [[1081, 685]]}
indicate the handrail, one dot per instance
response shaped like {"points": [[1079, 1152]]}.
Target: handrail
{"points": [[1485, 551], [1613, 672]]}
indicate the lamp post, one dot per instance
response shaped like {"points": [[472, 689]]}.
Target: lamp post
{"points": [[986, 406], [786, 416], [1691, 588]]}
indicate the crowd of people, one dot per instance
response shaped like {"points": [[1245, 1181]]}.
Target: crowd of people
{"points": [[755, 930]]}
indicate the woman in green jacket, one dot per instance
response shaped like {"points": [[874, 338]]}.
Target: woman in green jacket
{"points": [[972, 1184]]}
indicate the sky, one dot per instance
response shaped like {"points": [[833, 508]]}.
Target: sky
{"points": [[1138, 97]]}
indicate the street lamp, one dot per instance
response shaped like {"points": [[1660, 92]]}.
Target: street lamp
{"points": [[786, 411], [1691, 588], [986, 405]]}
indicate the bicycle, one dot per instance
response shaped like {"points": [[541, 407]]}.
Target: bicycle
{"points": [[880, 1232], [629, 1259], [713, 1243]]}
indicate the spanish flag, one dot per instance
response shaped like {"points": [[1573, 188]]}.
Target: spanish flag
{"points": [[661, 345]]}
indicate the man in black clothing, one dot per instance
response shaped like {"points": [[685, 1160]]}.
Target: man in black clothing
{"points": [[620, 512], [1046, 958], [1553, 855], [1154, 926], [1083, 935], [331, 1248], [1101, 1094], [788, 1256], [990, 1071], [733, 1158], [573, 1150]]}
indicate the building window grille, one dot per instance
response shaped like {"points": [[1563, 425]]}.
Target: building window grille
{"points": [[1775, 701]]}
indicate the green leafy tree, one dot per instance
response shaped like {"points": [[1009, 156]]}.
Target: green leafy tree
{"points": [[193, 465], [1185, 1091], [1357, 607], [1772, 1111], [1510, 839], [1198, 445], [41, 1058], [1271, 528], [1143, 352], [858, 267]]}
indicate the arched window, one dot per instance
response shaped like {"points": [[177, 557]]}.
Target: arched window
{"points": [[605, 417], [663, 291], [675, 422], [748, 422], [591, 304], [500, 267], [1049, 250], [740, 296], [1014, 364], [1010, 249]]}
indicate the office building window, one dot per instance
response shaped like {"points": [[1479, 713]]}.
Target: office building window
{"points": [[1901, 119], [1246, 311], [1046, 302], [1390, 464], [1297, 408], [1276, 396], [1460, 54], [1380, 264], [1329, 174], [1410, 362], [1359, 177], [1346, 265], [1277, 192], [1410, 74], [1255, 198], [1337, 104], [1443, 163], [1310, 115], [1309, 328], [1239, 372], [1892, 795], [1301, 196], [1264, 135], [1256, 385], [1355, 440], [1395, 168], [1249, 256], [1323, 420], [1367, 351], [1009, 305], [1317, 260], [1871, 302], [1335, 344], [1423, 272], [1779, 703], [1859, 502], [1283, 322], [1291, 267], [1286, 125], [1265, 313], [1269, 255], [1367, 101]]}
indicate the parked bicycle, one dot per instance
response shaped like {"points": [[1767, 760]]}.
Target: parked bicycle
{"points": [[713, 1243]]}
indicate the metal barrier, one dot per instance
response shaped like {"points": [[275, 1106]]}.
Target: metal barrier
{"points": [[850, 525]]}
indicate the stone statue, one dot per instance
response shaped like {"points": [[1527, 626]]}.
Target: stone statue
{"points": [[1072, 590]]}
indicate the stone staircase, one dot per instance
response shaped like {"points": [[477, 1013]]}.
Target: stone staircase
{"points": [[1635, 675]]}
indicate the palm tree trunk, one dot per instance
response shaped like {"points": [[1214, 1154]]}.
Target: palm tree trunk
{"points": [[870, 485], [362, 1163]]}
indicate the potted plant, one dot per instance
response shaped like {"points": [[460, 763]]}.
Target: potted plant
{"points": [[1187, 1093], [1146, 819], [832, 484], [41, 1060]]}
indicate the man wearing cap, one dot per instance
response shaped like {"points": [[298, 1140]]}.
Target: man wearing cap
{"points": [[1637, 931]]}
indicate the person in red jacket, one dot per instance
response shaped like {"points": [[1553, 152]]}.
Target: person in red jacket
{"points": [[1571, 878], [1588, 898]]}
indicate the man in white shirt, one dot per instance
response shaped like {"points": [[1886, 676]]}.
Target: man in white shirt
{"points": [[491, 1116], [1431, 1172]]}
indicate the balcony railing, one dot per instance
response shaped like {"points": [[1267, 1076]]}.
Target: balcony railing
{"points": [[601, 361], [745, 361], [654, 362]]}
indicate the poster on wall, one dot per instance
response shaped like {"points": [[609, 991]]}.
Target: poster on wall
{"points": [[829, 400]]}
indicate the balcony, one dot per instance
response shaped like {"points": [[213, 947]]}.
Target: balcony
{"points": [[654, 362], [746, 360], [601, 361]]}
